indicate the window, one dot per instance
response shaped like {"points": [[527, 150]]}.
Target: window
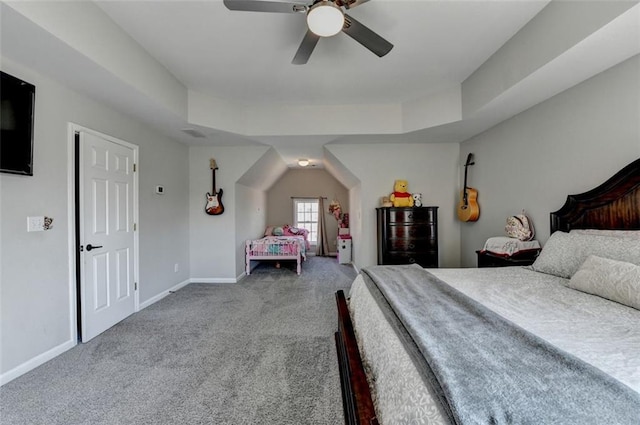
{"points": [[305, 215]]}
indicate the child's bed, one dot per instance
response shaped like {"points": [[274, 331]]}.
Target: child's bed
{"points": [[278, 244], [569, 350]]}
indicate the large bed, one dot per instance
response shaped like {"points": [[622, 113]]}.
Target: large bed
{"points": [[556, 342]]}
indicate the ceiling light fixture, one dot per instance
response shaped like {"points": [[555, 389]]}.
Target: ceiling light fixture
{"points": [[303, 162], [325, 19]]}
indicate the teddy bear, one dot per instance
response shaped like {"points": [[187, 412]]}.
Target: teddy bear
{"points": [[385, 202], [417, 199], [400, 197]]}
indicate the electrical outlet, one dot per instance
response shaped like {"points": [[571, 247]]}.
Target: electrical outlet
{"points": [[176, 268], [35, 224]]}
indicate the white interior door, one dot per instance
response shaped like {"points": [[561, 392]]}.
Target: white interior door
{"points": [[108, 262]]}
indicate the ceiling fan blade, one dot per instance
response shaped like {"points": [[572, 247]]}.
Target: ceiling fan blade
{"points": [[366, 37], [306, 48], [265, 6], [350, 4]]}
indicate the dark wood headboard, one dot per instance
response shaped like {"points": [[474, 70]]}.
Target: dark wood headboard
{"points": [[615, 204]]}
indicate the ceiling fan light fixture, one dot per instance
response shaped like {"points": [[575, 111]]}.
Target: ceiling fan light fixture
{"points": [[303, 162], [325, 19]]}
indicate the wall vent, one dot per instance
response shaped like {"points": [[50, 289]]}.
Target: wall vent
{"points": [[194, 133]]}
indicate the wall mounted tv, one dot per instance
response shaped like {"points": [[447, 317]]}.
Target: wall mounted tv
{"points": [[16, 125]]}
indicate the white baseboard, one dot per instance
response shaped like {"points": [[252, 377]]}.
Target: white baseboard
{"points": [[163, 294], [330, 254], [35, 362], [355, 267], [184, 283], [213, 280]]}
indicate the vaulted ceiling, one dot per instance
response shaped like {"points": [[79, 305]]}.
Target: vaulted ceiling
{"points": [[245, 57], [456, 68]]}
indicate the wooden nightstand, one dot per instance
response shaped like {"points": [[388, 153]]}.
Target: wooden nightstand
{"points": [[486, 259]]}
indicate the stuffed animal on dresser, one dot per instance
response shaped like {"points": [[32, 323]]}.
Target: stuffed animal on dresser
{"points": [[417, 199], [400, 197]]}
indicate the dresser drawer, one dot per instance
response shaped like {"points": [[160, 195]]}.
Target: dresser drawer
{"points": [[411, 215], [408, 235], [419, 244], [399, 231], [424, 259]]}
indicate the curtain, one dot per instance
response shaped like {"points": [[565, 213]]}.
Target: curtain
{"points": [[322, 248]]}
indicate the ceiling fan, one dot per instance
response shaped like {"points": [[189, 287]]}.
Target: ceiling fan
{"points": [[325, 18]]}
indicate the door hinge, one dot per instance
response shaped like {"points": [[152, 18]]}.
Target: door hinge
{"points": [[135, 286], [134, 167], [135, 227]]}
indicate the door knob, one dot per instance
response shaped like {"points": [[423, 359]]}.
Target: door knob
{"points": [[90, 247]]}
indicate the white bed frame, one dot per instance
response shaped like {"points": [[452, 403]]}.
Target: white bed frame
{"points": [[270, 249]]}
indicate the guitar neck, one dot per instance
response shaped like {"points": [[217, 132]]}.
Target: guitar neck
{"points": [[464, 190], [214, 167], [466, 168]]}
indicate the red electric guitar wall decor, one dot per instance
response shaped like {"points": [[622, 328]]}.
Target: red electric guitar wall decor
{"points": [[214, 199]]}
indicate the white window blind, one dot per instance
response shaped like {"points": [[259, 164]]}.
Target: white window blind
{"points": [[305, 215]]}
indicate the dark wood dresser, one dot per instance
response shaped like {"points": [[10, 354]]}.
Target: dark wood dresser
{"points": [[408, 235]]}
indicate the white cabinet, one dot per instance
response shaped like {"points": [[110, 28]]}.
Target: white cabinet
{"points": [[344, 251]]}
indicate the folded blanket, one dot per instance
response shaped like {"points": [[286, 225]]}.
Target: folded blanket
{"points": [[485, 369]]}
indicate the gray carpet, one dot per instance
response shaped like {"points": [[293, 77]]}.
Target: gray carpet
{"points": [[257, 352]]}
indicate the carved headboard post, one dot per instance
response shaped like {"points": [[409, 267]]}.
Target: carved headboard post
{"points": [[615, 204]]}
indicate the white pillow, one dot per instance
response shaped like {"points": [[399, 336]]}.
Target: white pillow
{"points": [[614, 280], [564, 253]]}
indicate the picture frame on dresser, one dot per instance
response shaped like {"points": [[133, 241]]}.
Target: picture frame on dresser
{"points": [[408, 235]]}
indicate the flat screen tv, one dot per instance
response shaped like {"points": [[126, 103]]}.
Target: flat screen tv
{"points": [[16, 124]]}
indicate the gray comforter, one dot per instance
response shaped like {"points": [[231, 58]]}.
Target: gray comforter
{"points": [[487, 370]]}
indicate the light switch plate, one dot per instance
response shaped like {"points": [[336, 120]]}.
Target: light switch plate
{"points": [[35, 224]]}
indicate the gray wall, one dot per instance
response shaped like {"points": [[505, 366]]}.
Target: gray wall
{"points": [[431, 169], [215, 241], [565, 145], [305, 183], [37, 318], [250, 220]]}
